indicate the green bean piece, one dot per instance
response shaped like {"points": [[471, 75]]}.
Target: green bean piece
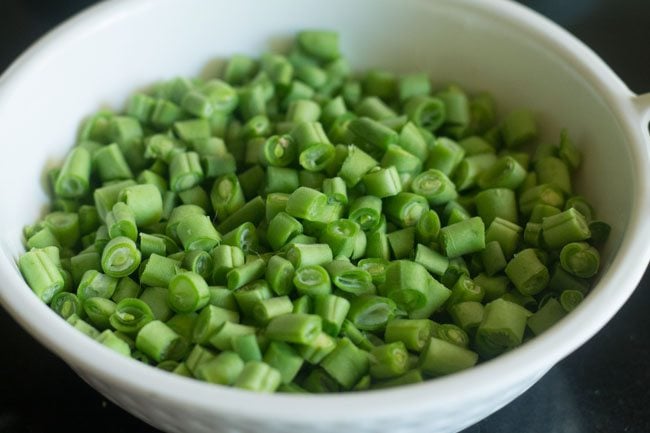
{"points": [[98, 311], [196, 232], [382, 182], [493, 258], [388, 360], [432, 260], [309, 134], [111, 340], [165, 113], [554, 171], [370, 312], [457, 111], [73, 180], [95, 284], [341, 237], [599, 232], [244, 237], [476, 145], [425, 111], [284, 359], [375, 267], [496, 202], [183, 325], [568, 152], [258, 376], [81, 263], [43, 238], [405, 208], [244, 274], [346, 363], [159, 270], [131, 315], [89, 220], [120, 257], [465, 289], [406, 164], [110, 163], [209, 321], [65, 227], [494, 286], [279, 274], [412, 141], [158, 341], [312, 280], [226, 196], [440, 357], [266, 309], [413, 85], [296, 328], [355, 165], [83, 326], [222, 339], [413, 333], [540, 194], [224, 369], [374, 108], [506, 233], [580, 259], [506, 172], [372, 135], [335, 190], [240, 68], [185, 171], [380, 83], [282, 228], [306, 203], [401, 242], [565, 227], [428, 227], [65, 304], [145, 201], [311, 179], [410, 377], [471, 168], [196, 196], [548, 315], [445, 155], [502, 328], [309, 254], [349, 278], [435, 186], [569, 299], [321, 44], [188, 292], [527, 273], [365, 211], [467, 315], [120, 221], [581, 205], [247, 348], [463, 237]]}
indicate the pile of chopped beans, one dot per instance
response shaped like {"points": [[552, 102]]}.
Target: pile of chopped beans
{"points": [[291, 226]]}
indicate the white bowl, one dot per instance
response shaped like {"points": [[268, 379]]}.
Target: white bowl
{"points": [[102, 55]]}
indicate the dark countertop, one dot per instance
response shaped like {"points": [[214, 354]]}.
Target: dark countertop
{"points": [[602, 387]]}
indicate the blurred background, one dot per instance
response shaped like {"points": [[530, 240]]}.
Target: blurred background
{"points": [[603, 387]]}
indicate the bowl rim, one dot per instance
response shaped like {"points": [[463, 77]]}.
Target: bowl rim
{"points": [[625, 271]]}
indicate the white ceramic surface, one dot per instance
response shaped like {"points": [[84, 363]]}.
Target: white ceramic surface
{"points": [[104, 54]]}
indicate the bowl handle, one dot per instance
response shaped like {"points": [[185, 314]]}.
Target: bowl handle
{"points": [[642, 103]]}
